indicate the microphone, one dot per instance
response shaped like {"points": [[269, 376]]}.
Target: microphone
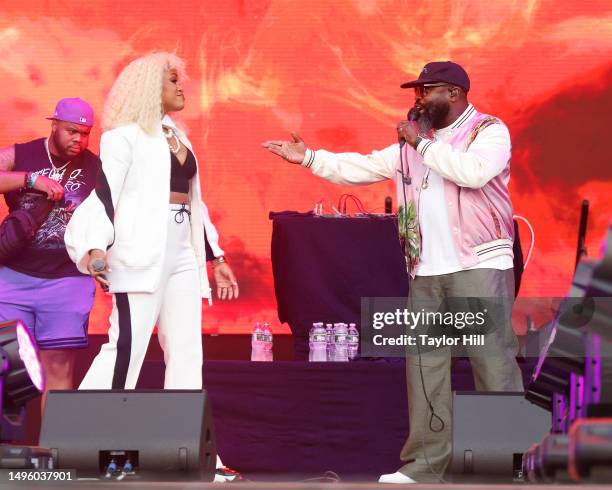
{"points": [[98, 265], [413, 115]]}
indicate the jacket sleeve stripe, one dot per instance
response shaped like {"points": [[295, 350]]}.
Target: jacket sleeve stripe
{"points": [[104, 194]]}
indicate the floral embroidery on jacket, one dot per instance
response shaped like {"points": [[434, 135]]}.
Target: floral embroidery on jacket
{"points": [[410, 236]]}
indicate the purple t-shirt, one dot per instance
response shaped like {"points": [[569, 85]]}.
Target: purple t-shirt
{"points": [[46, 254]]}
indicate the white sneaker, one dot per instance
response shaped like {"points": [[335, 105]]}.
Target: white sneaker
{"points": [[226, 475], [396, 477]]}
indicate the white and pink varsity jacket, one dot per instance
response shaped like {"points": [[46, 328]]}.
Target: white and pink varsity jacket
{"points": [[474, 161]]}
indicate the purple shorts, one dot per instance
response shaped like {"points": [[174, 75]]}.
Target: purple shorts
{"points": [[56, 311]]}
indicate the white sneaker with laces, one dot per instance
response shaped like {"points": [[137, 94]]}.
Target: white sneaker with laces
{"points": [[226, 475], [396, 477]]}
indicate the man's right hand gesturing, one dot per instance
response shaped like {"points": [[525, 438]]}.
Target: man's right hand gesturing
{"points": [[292, 151]]}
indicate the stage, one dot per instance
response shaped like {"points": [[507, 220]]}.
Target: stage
{"points": [[334, 146], [285, 486], [290, 420], [297, 485]]}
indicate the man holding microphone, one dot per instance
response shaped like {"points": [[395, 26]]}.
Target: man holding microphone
{"points": [[452, 168]]}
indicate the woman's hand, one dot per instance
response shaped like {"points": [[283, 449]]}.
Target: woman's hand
{"points": [[97, 267], [227, 286]]}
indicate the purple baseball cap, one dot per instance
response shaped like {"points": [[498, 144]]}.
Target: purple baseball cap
{"points": [[74, 110], [441, 71]]}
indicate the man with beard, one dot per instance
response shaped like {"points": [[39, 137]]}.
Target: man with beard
{"points": [[456, 225], [40, 285]]}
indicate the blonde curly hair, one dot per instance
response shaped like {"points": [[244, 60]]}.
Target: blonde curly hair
{"points": [[136, 94]]}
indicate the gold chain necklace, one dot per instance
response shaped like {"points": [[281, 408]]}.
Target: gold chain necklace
{"points": [[171, 135]]}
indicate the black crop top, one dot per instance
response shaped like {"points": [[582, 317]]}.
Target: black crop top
{"points": [[180, 174]]}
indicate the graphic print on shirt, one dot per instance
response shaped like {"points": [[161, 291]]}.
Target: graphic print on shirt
{"points": [[50, 235]]}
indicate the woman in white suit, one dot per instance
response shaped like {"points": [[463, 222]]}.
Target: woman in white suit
{"points": [[145, 234]]}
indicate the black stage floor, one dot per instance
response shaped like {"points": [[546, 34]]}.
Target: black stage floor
{"points": [[292, 486]]}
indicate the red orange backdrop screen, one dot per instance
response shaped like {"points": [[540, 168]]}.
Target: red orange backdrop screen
{"points": [[331, 71]]}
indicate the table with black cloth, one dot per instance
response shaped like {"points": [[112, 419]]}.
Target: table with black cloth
{"points": [[324, 265], [287, 419]]}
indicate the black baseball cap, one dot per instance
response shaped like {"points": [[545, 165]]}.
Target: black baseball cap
{"points": [[441, 71]]}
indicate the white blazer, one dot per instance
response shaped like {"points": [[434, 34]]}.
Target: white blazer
{"points": [[127, 213]]}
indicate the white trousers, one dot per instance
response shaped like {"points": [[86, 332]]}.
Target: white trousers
{"points": [[176, 308]]}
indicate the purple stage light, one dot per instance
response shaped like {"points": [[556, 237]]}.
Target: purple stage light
{"points": [[28, 352], [21, 373]]}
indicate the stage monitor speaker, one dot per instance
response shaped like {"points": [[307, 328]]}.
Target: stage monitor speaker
{"points": [[165, 434], [491, 431]]}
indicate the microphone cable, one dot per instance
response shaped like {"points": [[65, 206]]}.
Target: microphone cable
{"points": [[406, 180]]}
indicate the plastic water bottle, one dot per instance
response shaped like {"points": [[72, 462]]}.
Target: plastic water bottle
{"points": [[340, 343], [353, 342], [268, 343], [311, 346], [329, 336], [257, 343], [318, 343]]}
